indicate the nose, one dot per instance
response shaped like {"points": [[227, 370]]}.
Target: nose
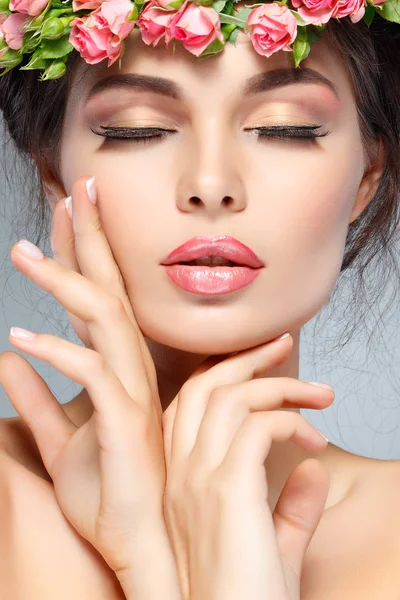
{"points": [[211, 173]]}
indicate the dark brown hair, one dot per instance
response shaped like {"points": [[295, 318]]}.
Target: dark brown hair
{"points": [[34, 112]]}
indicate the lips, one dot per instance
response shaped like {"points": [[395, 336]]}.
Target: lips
{"points": [[226, 247]]}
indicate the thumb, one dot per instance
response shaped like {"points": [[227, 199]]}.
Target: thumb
{"points": [[299, 511]]}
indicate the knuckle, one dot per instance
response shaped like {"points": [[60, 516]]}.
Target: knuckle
{"points": [[193, 484], [96, 363], [112, 307], [220, 488], [221, 393]]}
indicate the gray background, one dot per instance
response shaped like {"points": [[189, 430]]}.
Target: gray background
{"points": [[364, 418]]}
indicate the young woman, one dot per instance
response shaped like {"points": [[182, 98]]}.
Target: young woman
{"points": [[184, 469]]}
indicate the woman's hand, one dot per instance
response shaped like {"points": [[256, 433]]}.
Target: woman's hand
{"points": [[108, 474], [217, 435]]}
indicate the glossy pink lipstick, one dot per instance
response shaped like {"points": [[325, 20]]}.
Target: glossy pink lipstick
{"points": [[235, 265]]}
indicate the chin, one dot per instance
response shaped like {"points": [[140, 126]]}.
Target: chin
{"points": [[202, 340]]}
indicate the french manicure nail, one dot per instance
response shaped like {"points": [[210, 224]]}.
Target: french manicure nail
{"points": [[320, 433], [30, 250], [282, 337], [324, 385], [68, 205], [22, 334], [91, 190]]}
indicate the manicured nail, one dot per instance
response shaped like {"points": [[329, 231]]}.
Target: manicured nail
{"points": [[22, 334], [320, 433], [68, 205], [91, 190], [30, 250], [324, 385], [282, 337]]}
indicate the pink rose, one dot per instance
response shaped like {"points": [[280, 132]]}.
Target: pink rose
{"points": [[28, 7], [316, 12], [195, 26], [154, 22], [354, 9], [272, 27], [99, 35], [89, 4], [12, 30]]}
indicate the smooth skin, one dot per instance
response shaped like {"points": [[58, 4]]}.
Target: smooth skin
{"points": [[211, 156], [105, 477]]}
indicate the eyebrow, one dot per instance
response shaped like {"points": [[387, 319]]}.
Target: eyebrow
{"points": [[262, 82]]}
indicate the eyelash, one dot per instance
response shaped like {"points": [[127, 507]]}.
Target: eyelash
{"points": [[305, 133]]}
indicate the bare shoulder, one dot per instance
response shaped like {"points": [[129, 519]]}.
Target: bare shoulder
{"points": [[355, 551], [41, 554]]}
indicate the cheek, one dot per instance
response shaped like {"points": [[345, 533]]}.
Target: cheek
{"points": [[302, 224]]}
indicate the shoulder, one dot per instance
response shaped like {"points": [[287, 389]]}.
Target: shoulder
{"points": [[355, 551]]}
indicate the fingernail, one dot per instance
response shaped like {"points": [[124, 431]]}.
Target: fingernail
{"points": [[68, 205], [282, 337], [324, 385], [91, 190], [30, 250], [320, 433], [22, 334]]}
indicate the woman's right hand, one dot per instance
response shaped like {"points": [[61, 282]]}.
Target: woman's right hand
{"points": [[109, 473]]}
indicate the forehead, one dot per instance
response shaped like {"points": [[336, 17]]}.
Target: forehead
{"points": [[222, 76]]}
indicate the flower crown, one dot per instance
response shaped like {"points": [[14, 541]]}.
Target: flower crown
{"points": [[49, 30]]}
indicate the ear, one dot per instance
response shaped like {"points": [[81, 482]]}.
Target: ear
{"points": [[54, 191], [369, 183]]}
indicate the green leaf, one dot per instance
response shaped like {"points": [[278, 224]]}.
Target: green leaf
{"points": [[35, 63], [4, 4], [244, 13], [369, 14], [233, 37], [55, 48], [214, 48], [301, 46], [10, 59], [232, 20], [228, 8], [30, 42], [54, 70], [60, 4], [227, 30], [390, 10], [59, 12], [312, 35], [218, 5], [300, 21]]}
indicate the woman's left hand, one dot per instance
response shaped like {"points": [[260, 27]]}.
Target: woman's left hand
{"points": [[217, 435]]}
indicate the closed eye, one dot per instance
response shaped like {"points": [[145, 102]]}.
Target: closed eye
{"points": [[150, 134], [134, 134], [285, 132]]}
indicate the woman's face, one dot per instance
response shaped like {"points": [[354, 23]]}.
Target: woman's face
{"points": [[290, 200]]}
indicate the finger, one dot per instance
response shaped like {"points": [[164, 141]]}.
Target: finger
{"points": [[109, 326], [252, 442], [92, 249], [193, 397], [62, 238], [32, 399], [230, 405], [114, 411], [63, 248], [299, 511]]}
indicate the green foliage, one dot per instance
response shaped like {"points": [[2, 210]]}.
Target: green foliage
{"points": [[390, 10]]}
